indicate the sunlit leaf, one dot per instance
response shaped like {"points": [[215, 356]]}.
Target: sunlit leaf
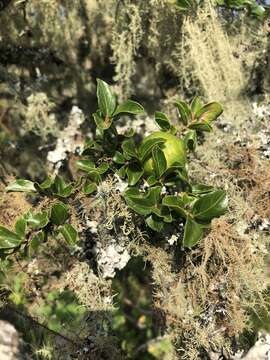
{"points": [[20, 227], [59, 213], [210, 206], [209, 112], [159, 160], [130, 107], [37, 221], [106, 98], [21, 185], [184, 112], [162, 121], [69, 234], [192, 234]]}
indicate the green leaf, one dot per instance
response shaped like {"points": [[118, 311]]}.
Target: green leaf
{"points": [[21, 185], [8, 239], [103, 168], [89, 188], [119, 158], [129, 133], [200, 126], [69, 234], [122, 172], [210, 206], [159, 160], [151, 180], [106, 98], [20, 227], [85, 165], [184, 112], [146, 147], [175, 203], [190, 140], [143, 203], [134, 173], [59, 213], [129, 149], [192, 233], [60, 188], [101, 123], [162, 121], [196, 105], [209, 112], [45, 185], [36, 240], [201, 189], [130, 107], [37, 221], [154, 223]]}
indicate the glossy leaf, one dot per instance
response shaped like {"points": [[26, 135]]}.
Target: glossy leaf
{"points": [[69, 234], [200, 126], [151, 180], [60, 188], [146, 147], [142, 203], [59, 213], [130, 107], [8, 239], [21, 185], [20, 227], [190, 140], [175, 203], [210, 206], [196, 105], [85, 165], [45, 185], [210, 112], [122, 172], [159, 160], [37, 221], [106, 98], [192, 234], [162, 121], [134, 173], [103, 168], [201, 189], [184, 112]]}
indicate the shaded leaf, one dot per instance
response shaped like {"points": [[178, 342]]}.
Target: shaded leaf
{"points": [[89, 188], [175, 203], [129, 149], [162, 121], [37, 221], [103, 168], [134, 173], [21, 185], [190, 140], [154, 223], [146, 147], [101, 123], [200, 126], [60, 188], [192, 233], [201, 189], [85, 165], [142, 203], [36, 240], [119, 158]]}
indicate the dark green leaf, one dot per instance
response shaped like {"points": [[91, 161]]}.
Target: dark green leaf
{"points": [[184, 112], [154, 223], [162, 121], [69, 234], [20, 227], [142, 203], [151, 180], [60, 188], [191, 140], [8, 239], [45, 185], [146, 147], [122, 172], [59, 213], [159, 160], [21, 185], [130, 107], [85, 165], [192, 233], [106, 98], [210, 112], [37, 221], [134, 173], [210, 206], [129, 149], [175, 203], [103, 168], [119, 158], [200, 126]]}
